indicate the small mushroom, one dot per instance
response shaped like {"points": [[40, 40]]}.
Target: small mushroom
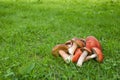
{"points": [[90, 43], [76, 55], [59, 47], [62, 49], [82, 58], [69, 43], [97, 53], [76, 43]]}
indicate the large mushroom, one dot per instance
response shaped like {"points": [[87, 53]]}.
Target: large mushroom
{"points": [[62, 50], [76, 42], [91, 42], [97, 53]]}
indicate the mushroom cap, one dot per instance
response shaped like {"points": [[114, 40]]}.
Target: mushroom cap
{"points": [[91, 42], [99, 53], [77, 54], [69, 43], [80, 42], [87, 49], [59, 47]]}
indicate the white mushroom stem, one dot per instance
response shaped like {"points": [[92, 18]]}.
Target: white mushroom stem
{"points": [[82, 58], [65, 56], [72, 49], [91, 57]]}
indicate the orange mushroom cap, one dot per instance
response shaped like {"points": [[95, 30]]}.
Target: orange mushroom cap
{"points": [[77, 54], [91, 42], [99, 53]]}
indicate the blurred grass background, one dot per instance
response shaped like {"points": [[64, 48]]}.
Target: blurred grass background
{"points": [[30, 29]]}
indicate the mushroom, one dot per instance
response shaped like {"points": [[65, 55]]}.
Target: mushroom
{"points": [[69, 43], [62, 49], [76, 55], [97, 53], [76, 43], [91, 42]]}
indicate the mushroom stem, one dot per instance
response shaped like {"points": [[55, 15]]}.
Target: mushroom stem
{"points": [[90, 57], [72, 49], [65, 56], [82, 58]]}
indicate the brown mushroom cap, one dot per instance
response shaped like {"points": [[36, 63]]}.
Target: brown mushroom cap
{"points": [[87, 49], [59, 47], [69, 43], [80, 42], [99, 53]]}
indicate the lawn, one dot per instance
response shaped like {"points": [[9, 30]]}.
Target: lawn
{"points": [[30, 29]]}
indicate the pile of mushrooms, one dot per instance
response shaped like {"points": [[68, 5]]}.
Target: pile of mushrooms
{"points": [[79, 50]]}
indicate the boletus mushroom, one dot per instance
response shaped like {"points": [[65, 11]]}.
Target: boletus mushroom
{"points": [[62, 50], [69, 43], [76, 55], [97, 54], [76, 43], [91, 42]]}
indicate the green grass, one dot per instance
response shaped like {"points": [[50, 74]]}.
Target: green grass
{"points": [[30, 29]]}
